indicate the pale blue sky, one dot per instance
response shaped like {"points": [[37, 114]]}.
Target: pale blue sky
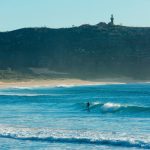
{"points": [[16, 14]]}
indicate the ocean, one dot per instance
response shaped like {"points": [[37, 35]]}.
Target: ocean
{"points": [[57, 118]]}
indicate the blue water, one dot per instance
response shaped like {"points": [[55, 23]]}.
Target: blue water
{"points": [[57, 118]]}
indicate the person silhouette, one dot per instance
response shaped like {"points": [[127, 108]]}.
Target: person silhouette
{"points": [[88, 106]]}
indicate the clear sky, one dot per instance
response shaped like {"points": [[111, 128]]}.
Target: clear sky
{"points": [[16, 14]]}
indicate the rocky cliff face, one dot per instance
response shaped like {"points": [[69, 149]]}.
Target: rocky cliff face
{"points": [[86, 51]]}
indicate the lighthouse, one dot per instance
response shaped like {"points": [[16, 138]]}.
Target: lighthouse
{"points": [[112, 20]]}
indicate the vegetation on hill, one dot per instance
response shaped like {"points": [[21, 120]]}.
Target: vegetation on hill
{"points": [[99, 51]]}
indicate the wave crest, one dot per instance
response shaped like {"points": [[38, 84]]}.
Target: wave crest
{"points": [[110, 107], [115, 107]]}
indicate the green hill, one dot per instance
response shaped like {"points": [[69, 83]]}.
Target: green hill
{"points": [[99, 51]]}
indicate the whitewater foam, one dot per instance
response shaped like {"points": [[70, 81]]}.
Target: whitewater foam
{"points": [[65, 85], [74, 136], [110, 107], [27, 94]]}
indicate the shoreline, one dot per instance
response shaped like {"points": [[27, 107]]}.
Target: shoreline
{"points": [[53, 83], [35, 83]]}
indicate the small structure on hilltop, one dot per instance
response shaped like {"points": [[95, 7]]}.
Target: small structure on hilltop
{"points": [[103, 24]]}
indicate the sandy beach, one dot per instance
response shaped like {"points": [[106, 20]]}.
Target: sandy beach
{"points": [[52, 83]]}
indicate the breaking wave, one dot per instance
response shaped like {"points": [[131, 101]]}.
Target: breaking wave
{"points": [[25, 95], [74, 136], [115, 107], [65, 85]]}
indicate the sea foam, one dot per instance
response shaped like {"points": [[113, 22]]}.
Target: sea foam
{"points": [[74, 136]]}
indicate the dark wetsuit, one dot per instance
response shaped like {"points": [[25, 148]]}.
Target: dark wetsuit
{"points": [[88, 106]]}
